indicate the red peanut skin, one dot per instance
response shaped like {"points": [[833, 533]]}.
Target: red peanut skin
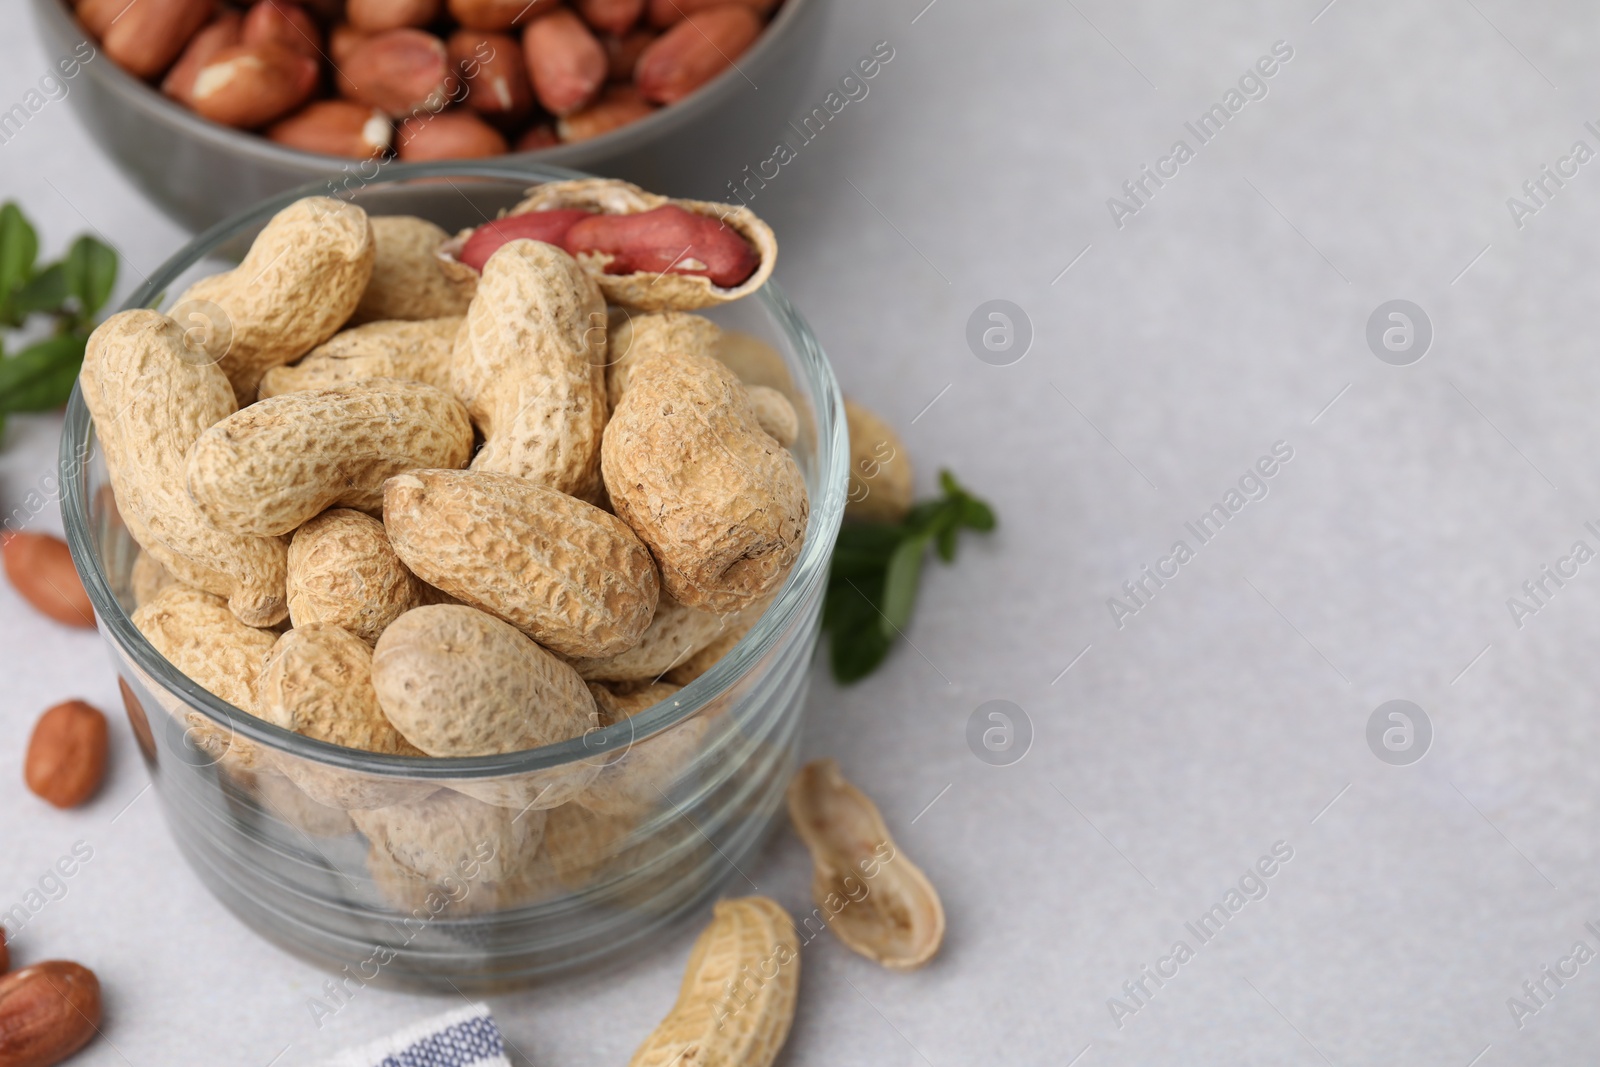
{"points": [[615, 17], [223, 32], [499, 15], [51, 1010], [66, 758], [547, 226], [666, 239], [399, 71], [344, 39], [276, 82], [144, 37], [694, 51], [536, 137], [664, 13], [491, 66], [375, 16], [280, 22], [617, 106], [622, 53], [330, 128], [567, 62], [448, 135], [40, 568], [5, 953]]}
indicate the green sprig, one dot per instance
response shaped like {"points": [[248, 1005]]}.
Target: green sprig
{"points": [[872, 583], [70, 291]]}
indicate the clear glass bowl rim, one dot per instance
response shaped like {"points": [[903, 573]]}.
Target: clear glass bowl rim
{"points": [[827, 511]]}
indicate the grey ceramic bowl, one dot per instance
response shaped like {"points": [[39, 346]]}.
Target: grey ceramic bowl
{"points": [[199, 172]]}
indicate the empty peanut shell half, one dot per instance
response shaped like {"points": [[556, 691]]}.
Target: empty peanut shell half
{"points": [[879, 903]]}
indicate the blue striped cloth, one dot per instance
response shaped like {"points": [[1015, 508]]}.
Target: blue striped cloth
{"points": [[466, 1037]]}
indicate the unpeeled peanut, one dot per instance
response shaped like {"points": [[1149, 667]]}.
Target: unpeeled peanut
{"points": [[881, 487], [725, 534], [410, 279], [415, 351], [39, 566], [638, 780], [775, 414], [279, 462], [527, 364], [633, 337], [571, 576], [476, 856], [663, 239], [152, 396], [719, 1020], [674, 635], [457, 682], [317, 681], [343, 571], [316, 245]]}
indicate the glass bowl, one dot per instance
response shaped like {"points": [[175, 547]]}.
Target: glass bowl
{"points": [[484, 871]]}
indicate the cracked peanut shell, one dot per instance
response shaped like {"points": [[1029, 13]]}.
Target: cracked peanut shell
{"points": [[572, 577], [528, 364], [635, 336], [270, 467], [881, 903], [730, 1012], [648, 290], [152, 397], [721, 504]]}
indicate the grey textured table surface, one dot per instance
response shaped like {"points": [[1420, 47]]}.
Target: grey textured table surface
{"points": [[1227, 313]]}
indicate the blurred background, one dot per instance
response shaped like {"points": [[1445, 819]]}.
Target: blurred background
{"points": [[1172, 337]]}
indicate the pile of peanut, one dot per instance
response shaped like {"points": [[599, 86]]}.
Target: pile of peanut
{"points": [[489, 508], [425, 79]]}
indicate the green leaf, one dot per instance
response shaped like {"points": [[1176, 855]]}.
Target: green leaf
{"points": [[40, 377], [876, 567], [19, 246], [857, 644], [91, 270], [900, 585], [45, 291]]}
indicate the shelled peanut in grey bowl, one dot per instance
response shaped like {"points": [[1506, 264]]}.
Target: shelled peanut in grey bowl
{"points": [[200, 173], [506, 904]]}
